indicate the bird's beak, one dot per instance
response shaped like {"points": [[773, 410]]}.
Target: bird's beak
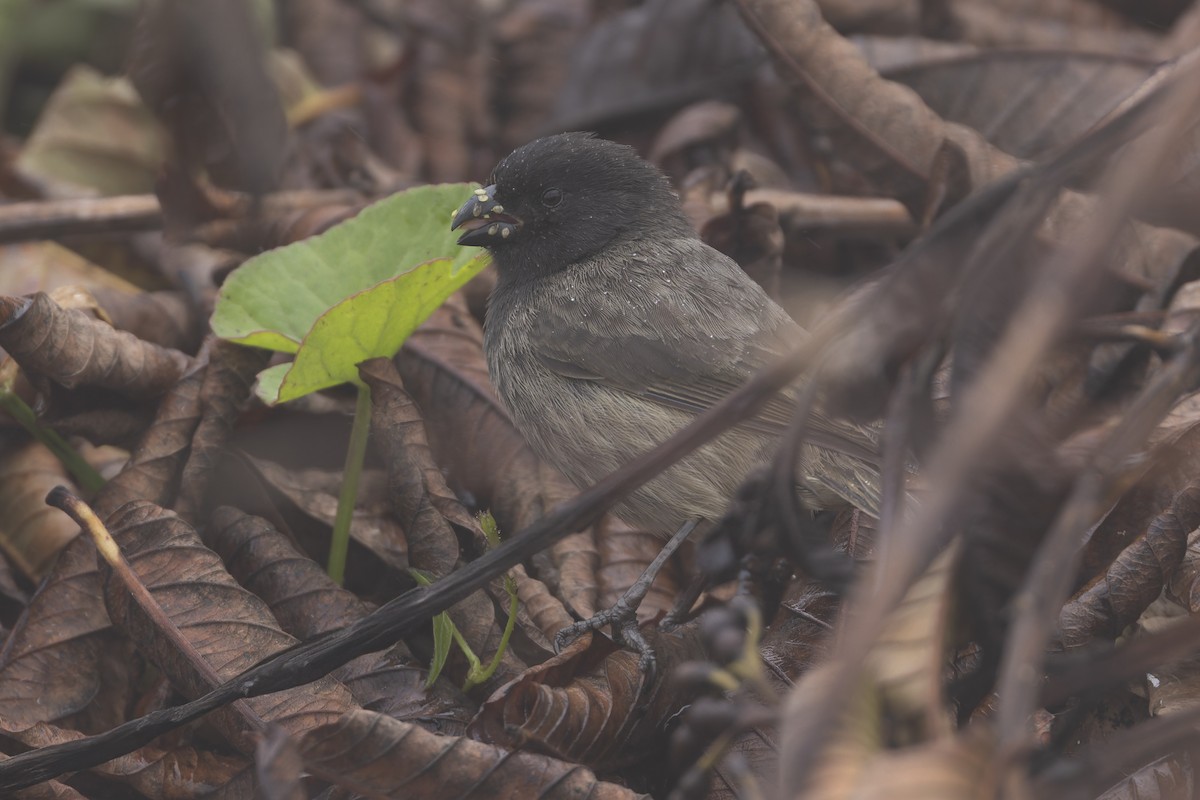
{"points": [[483, 220]]}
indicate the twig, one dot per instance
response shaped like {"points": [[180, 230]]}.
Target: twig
{"points": [[51, 219], [90, 216], [863, 216]]}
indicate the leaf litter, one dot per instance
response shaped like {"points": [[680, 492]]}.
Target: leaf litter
{"points": [[966, 203]]}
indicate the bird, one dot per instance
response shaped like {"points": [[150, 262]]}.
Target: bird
{"points": [[612, 325]]}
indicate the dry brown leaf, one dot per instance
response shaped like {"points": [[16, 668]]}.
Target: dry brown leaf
{"points": [[1030, 104], [1168, 778], [154, 467], [314, 493], [279, 767], [903, 685], [1177, 441], [118, 427], [154, 771], [897, 717], [540, 604], [50, 664], [752, 758], [224, 392], [592, 705], [907, 661], [575, 563], [799, 635], [302, 597], [29, 267], [119, 694], [1174, 687], [1025, 103], [165, 318], [392, 683], [308, 603], [32, 533], [73, 350], [1120, 762], [702, 134], [430, 514], [1135, 578], [1183, 588], [904, 300], [381, 757], [93, 137], [624, 66], [1022, 24], [956, 768], [209, 628]]}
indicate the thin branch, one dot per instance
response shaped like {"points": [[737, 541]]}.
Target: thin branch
{"points": [[91, 216]]}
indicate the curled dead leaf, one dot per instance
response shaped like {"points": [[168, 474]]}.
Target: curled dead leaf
{"points": [[73, 350]]}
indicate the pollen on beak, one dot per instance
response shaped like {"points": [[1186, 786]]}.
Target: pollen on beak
{"points": [[483, 220]]}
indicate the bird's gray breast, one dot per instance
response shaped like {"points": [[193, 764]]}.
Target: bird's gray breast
{"points": [[589, 429], [559, 416]]}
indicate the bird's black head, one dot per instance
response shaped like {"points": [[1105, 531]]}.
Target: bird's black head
{"points": [[563, 198]]}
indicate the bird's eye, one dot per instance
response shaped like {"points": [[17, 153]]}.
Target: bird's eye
{"points": [[552, 197]]}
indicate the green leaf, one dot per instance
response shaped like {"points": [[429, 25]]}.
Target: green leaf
{"points": [[443, 632], [372, 323], [83, 472], [269, 381], [491, 531], [353, 293], [275, 299], [443, 635]]}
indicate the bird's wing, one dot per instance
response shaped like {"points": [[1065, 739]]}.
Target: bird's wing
{"points": [[686, 344]]}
